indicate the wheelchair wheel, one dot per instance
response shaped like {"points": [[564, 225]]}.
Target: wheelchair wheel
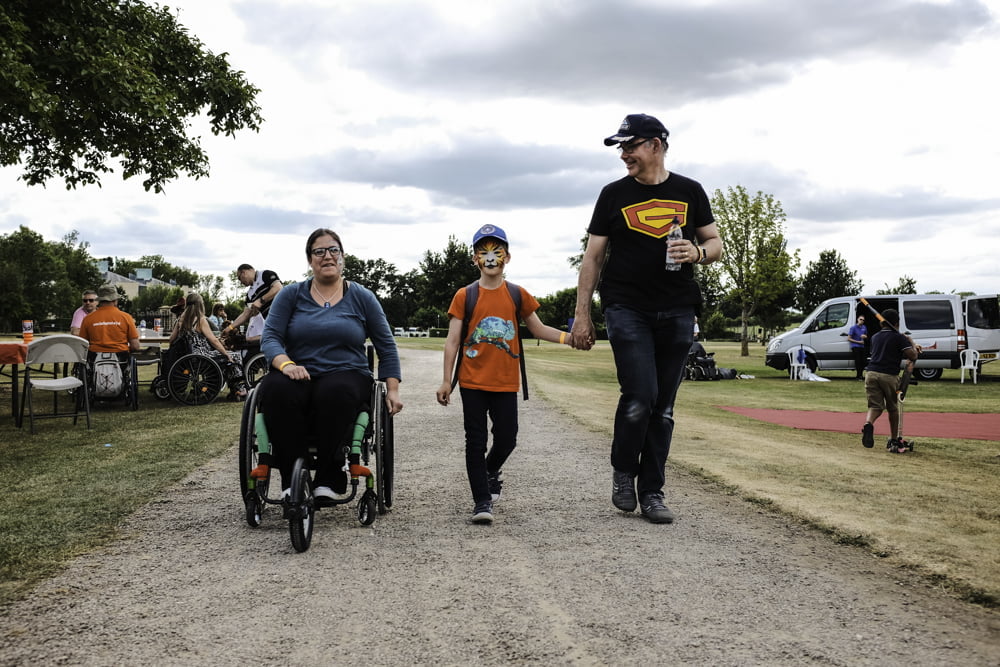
{"points": [[132, 385], [254, 509], [367, 508], [254, 369], [195, 379], [249, 456], [383, 446], [160, 388], [300, 515]]}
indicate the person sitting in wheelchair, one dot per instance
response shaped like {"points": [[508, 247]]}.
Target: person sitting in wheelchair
{"points": [[110, 330], [319, 379], [193, 334]]}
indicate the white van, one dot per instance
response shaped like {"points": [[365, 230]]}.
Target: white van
{"points": [[943, 324]]}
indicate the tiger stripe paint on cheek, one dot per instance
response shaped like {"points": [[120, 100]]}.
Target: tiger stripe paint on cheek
{"points": [[490, 254]]}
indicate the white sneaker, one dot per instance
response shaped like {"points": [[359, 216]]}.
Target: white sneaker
{"points": [[286, 494], [328, 493]]}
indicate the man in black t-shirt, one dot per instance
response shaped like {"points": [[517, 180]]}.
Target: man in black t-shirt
{"points": [[646, 232], [889, 348]]}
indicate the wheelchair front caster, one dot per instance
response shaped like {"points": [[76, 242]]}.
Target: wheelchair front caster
{"points": [[367, 508], [254, 509]]}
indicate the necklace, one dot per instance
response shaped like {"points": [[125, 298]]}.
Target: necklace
{"points": [[326, 299]]}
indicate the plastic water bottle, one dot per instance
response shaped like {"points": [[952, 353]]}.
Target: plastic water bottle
{"points": [[670, 264], [142, 329]]}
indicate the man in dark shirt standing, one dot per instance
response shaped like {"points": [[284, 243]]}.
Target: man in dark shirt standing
{"points": [[889, 348]]}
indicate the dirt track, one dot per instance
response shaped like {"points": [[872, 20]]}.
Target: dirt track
{"points": [[560, 578]]}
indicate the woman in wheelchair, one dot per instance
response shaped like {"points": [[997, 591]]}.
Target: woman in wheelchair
{"points": [[193, 334], [314, 341]]}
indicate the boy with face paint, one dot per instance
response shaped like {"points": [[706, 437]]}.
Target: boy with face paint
{"points": [[489, 375]]}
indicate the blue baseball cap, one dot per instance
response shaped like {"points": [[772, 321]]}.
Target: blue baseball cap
{"points": [[487, 232]]}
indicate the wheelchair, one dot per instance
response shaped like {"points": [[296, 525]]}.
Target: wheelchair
{"points": [[369, 455], [190, 379], [108, 387], [254, 363]]}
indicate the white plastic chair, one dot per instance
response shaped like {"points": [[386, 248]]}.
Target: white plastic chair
{"points": [[796, 370], [970, 362], [57, 349]]}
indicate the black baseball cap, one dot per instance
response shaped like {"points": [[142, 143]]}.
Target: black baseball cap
{"points": [[638, 125]]}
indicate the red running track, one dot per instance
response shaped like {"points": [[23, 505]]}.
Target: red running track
{"points": [[961, 426]]}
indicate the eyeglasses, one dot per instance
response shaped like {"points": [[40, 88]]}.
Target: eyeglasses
{"points": [[89, 300], [320, 252], [631, 148]]}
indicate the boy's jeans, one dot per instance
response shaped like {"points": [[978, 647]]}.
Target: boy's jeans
{"points": [[650, 352], [501, 407]]}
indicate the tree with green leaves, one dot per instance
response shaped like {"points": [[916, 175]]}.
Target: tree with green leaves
{"points": [[827, 277], [85, 83], [444, 273], [756, 267], [41, 279], [906, 285]]}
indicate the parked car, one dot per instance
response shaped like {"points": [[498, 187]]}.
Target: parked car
{"points": [[943, 324]]}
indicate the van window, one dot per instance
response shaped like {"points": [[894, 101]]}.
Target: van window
{"points": [[984, 313], [928, 315], [833, 316]]}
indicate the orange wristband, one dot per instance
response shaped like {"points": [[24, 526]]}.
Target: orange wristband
{"points": [[562, 338]]}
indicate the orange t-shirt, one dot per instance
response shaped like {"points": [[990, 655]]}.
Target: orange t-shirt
{"points": [[108, 329], [490, 351]]}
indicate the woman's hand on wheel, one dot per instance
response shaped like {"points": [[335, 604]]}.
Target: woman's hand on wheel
{"points": [[392, 401]]}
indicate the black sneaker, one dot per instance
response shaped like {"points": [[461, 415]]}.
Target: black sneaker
{"points": [[495, 480], [868, 435], [483, 513], [654, 509], [623, 491]]}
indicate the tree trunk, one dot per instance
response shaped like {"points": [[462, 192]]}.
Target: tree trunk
{"points": [[745, 336]]}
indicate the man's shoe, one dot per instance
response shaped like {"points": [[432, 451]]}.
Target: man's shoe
{"points": [[483, 513], [654, 509], [868, 435], [623, 491], [495, 480]]}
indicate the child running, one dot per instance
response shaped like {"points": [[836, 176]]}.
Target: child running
{"points": [[489, 368]]}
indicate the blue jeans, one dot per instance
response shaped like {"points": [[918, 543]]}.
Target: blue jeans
{"points": [[650, 353], [501, 408]]}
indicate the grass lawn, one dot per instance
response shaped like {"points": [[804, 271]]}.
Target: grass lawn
{"points": [[934, 511]]}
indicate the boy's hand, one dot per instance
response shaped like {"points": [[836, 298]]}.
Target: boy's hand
{"points": [[444, 393]]}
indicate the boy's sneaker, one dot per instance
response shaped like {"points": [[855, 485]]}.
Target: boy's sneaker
{"points": [[654, 509], [483, 513], [623, 491], [868, 435], [495, 480]]}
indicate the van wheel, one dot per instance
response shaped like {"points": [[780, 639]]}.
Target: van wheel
{"points": [[929, 374]]}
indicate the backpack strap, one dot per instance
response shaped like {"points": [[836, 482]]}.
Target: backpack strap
{"points": [[471, 297]]}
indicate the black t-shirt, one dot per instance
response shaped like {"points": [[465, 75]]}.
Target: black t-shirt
{"points": [[887, 351], [636, 218]]}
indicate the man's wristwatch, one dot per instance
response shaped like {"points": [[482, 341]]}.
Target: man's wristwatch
{"points": [[702, 254]]}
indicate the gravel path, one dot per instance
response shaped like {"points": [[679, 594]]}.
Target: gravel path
{"points": [[560, 578]]}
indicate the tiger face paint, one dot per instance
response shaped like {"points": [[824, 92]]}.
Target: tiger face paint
{"points": [[491, 255]]}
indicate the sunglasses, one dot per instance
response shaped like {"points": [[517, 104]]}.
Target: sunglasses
{"points": [[321, 252], [631, 148], [89, 300]]}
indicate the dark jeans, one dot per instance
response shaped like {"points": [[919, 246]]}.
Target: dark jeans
{"points": [[501, 408], [327, 406], [650, 351]]}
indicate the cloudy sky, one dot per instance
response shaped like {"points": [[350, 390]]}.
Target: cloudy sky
{"points": [[400, 123]]}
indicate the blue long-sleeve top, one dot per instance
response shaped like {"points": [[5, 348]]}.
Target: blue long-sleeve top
{"points": [[326, 340]]}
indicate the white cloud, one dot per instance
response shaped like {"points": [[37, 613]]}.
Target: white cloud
{"points": [[400, 123]]}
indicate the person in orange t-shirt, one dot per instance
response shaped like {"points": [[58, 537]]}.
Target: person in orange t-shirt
{"points": [[489, 375], [109, 329]]}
